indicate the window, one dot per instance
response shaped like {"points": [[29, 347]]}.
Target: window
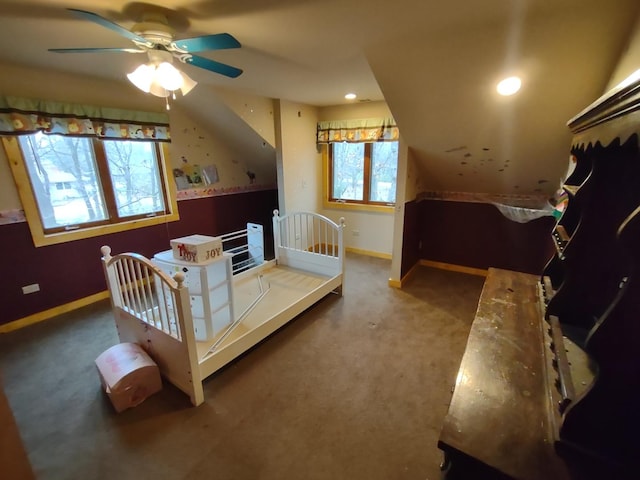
{"points": [[79, 184], [363, 173]]}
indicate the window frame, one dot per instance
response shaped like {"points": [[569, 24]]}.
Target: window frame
{"points": [[330, 201], [41, 238]]}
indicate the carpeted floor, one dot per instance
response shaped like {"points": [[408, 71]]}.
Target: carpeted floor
{"points": [[355, 388]]}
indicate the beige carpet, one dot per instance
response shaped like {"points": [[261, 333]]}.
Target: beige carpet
{"points": [[355, 388]]}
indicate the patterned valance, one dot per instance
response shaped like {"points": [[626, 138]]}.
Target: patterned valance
{"points": [[358, 131], [20, 116]]}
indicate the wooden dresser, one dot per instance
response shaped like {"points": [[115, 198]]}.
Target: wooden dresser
{"points": [[549, 384]]}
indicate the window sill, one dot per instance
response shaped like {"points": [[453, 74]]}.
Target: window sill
{"points": [[359, 207], [41, 240]]}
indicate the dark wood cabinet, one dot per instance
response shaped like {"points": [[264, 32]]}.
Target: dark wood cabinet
{"points": [[580, 416]]}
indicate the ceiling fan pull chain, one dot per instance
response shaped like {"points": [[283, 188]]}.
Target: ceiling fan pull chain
{"points": [[166, 99]]}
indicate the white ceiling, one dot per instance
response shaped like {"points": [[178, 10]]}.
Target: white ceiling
{"points": [[305, 51], [434, 62]]}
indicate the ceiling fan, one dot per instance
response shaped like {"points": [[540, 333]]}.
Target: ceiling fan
{"points": [[155, 37]]}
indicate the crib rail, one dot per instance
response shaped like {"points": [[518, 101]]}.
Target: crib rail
{"points": [[246, 247], [141, 290], [310, 238], [311, 232]]}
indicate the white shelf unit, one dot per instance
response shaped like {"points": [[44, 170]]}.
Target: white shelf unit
{"points": [[210, 291]]}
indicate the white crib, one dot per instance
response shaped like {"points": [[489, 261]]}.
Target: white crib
{"points": [[153, 309]]}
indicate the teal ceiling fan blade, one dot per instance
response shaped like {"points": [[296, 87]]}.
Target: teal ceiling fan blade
{"points": [[217, 41], [212, 66]]}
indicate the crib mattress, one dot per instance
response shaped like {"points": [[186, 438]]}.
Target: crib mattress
{"points": [[285, 293]]}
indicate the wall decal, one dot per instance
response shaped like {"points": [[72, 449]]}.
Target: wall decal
{"points": [[181, 179], [188, 176], [210, 174]]}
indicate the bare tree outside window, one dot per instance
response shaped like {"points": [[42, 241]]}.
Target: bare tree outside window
{"points": [[54, 160], [134, 174], [81, 182], [363, 172], [384, 172], [348, 171]]}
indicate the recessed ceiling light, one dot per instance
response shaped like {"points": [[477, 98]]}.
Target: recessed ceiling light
{"points": [[350, 96], [509, 86]]}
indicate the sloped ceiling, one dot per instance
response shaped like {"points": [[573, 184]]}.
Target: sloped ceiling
{"points": [[440, 86], [435, 63], [211, 109]]}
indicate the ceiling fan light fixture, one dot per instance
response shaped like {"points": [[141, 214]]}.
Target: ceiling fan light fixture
{"points": [[188, 84], [155, 36], [169, 76], [142, 77], [161, 79], [158, 90]]}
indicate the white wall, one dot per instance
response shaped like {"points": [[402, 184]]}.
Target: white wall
{"points": [[9, 199], [194, 142], [299, 164], [256, 111], [352, 111], [366, 232]]}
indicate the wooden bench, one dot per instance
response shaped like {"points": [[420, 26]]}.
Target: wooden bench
{"points": [[498, 422]]}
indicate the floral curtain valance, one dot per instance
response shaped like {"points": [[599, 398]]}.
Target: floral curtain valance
{"points": [[356, 131], [20, 116]]}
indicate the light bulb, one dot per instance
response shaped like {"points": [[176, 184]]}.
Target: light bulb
{"points": [[142, 77], [161, 79], [509, 86], [168, 76], [158, 90]]}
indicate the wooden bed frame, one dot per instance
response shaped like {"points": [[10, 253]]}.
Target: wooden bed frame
{"points": [[153, 309]]}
